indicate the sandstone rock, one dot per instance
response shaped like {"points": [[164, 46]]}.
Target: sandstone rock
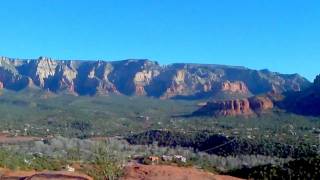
{"points": [[174, 90], [236, 107], [177, 85], [226, 108], [180, 76], [235, 87], [207, 87], [142, 77], [45, 67], [260, 103], [63, 79]]}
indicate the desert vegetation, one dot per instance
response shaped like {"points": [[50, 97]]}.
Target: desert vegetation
{"points": [[102, 159], [134, 128]]}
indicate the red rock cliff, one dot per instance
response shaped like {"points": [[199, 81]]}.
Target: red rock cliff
{"points": [[260, 103]]}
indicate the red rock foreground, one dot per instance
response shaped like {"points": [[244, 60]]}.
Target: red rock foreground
{"points": [[32, 175], [166, 172]]}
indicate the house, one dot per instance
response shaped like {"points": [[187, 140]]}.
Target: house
{"points": [[154, 159], [166, 158], [180, 158]]}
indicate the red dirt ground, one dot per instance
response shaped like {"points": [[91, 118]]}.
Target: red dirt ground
{"points": [[165, 172], [132, 172], [46, 175]]}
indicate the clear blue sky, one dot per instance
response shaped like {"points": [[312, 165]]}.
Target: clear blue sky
{"points": [[281, 35]]}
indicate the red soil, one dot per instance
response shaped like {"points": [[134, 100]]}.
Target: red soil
{"points": [[33, 175], [165, 172]]}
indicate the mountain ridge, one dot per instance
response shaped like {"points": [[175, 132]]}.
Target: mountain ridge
{"points": [[141, 77]]}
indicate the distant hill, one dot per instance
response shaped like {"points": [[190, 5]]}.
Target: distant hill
{"points": [[306, 102], [142, 77]]}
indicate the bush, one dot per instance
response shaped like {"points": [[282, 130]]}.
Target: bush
{"points": [[106, 165]]}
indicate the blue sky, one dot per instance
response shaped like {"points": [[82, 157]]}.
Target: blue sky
{"points": [[281, 35]]}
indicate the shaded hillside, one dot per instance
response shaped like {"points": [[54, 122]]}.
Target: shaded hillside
{"points": [[236, 107], [222, 145], [142, 77], [306, 102], [304, 168]]}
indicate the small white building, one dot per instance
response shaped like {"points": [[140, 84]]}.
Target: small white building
{"points": [[180, 158], [166, 158]]}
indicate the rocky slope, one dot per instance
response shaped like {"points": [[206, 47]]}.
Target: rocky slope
{"points": [[316, 82], [306, 102], [142, 78]]}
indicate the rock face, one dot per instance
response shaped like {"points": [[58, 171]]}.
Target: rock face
{"points": [[260, 103], [141, 77], [178, 85], [236, 107], [235, 87], [226, 108], [306, 102]]}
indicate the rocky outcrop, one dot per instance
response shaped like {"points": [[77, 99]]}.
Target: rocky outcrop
{"points": [[234, 87], [236, 107], [226, 108], [177, 86], [142, 77], [260, 103]]}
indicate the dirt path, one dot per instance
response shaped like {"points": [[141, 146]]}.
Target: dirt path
{"points": [[7, 139]]}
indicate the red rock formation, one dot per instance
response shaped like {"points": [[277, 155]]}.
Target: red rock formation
{"points": [[142, 79], [106, 88], [260, 103], [140, 90], [236, 107], [207, 87], [226, 108], [177, 86], [174, 90], [237, 86]]}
